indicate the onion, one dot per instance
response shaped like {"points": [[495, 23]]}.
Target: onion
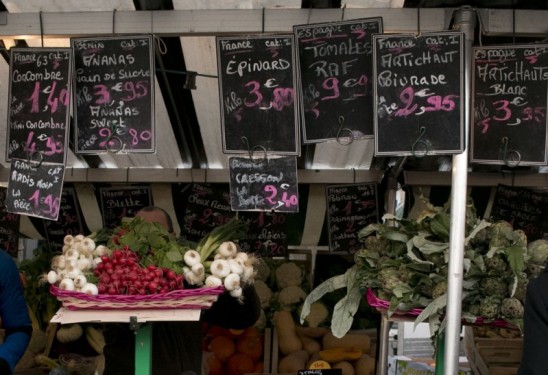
{"points": [[90, 288], [68, 240], [67, 284], [213, 281], [192, 257], [228, 249], [232, 281], [80, 281], [220, 268], [235, 267], [52, 277]]}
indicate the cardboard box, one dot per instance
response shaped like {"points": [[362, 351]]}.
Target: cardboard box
{"points": [[492, 356]]}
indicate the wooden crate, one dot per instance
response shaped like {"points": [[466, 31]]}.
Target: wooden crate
{"points": [[492, 356]]}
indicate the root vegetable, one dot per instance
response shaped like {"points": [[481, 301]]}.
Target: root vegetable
{"points": [[235, 267], [90, 288], [67, 284], [232, 281], [220, 268], [228, 249], [213, 281], [80, 281], [192, 257], [236, 293], [52, 277], [68, 240]]}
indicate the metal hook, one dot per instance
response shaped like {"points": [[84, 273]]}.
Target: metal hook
{"points": [[344, 140], [41, 29], [353, 175], [205, 176], [308, 17], [127, 175], [343, 9], [511, 158], [250, 151], [31, 156], [420, 142], [514, 26]]}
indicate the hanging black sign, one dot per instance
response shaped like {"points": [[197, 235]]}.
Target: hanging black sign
{"points": [[35, 189], [349, 209], [509, 105], [335, 68], [39, 98], [264, 185], [120, 202], [207, 207], [524, 208], [267, 235], [9, 227], [114, 94], [69, 221], [418, 93], [257, 86]]}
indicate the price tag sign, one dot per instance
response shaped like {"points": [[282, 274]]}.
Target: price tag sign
{"points": [[120, 202], [264, 185], [331, 371], [418, 93], [335, 65], [114, 94], [9, 227], [523, 208], [35, 190], [267, 235], [68, 222], [350, 208], [257, 86], [207, 207], [509, 105], [38, 108]]}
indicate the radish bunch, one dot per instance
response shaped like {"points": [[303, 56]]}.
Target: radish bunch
{"points": [[120, 273], [71, 270]]}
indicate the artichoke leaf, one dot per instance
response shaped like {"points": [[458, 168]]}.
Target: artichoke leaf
{"points": [[481, 225], [426, 246], [516, 258], [432, 309], [344, 311], [411, 254], [329, 285]]}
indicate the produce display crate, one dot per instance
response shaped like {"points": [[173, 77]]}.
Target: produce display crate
{"points": [[492, 356]]}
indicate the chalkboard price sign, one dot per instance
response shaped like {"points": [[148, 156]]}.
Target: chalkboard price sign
{"points": [[267, 235], [39, 98], [120, 202], [69, 221], [349, 209], [335, 67], [418, 93], [207, 207], [257, 86], [35, 190], [264, 185], [509, 102], [114, 94], [524, 208], [9, 227]]}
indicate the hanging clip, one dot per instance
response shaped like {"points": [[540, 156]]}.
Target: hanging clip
{"points": [[190, 81], [34, 158], [344, 140], [420, 145], [252, 150], [511, 158], [112, 143]]}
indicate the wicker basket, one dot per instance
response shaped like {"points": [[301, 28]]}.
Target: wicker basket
{"points": [[383, 306], [198, 298]]}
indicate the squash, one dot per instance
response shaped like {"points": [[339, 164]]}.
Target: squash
{"points": [[293, 362], [365, 365], [346, 367], [288, 341], [313, 332], [350, 340], [314, 357], [340, 354], [309, 344]]}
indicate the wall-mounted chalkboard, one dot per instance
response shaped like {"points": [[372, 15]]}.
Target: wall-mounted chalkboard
{"points": [[267, 235], [207, 207], [39, 104], [349, 209], [114, 94], [120, 202], [334, 62], [524, 208], [9, 227], [257, 92], [35, 190], [418, 93], [509, 105], [268, 184], [68, 222]]}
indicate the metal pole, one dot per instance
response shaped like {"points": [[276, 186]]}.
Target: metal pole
{"points": [[465, 21]]}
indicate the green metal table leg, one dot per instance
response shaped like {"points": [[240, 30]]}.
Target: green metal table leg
{"points": [[440, 349], [143, 349]]}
